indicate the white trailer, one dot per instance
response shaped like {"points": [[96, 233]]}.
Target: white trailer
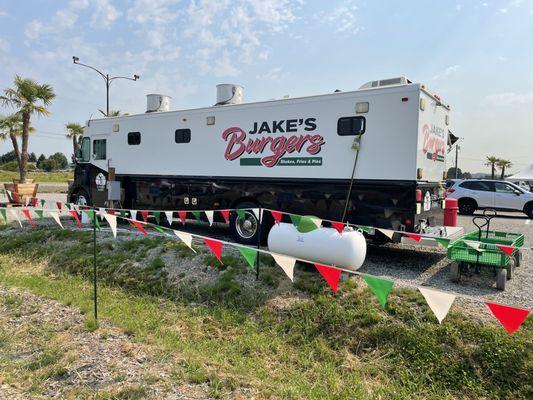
{"points": [[294, 154]]}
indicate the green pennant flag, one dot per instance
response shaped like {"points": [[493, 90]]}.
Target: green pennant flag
{"points": [[196, 214], [157, 216], [159, 229], [295, 219], [4, 214], [40, 213], [68, 206], [443, 242], [42, 202], [380, 287], [366, 229], [122, 213], [90, 214], [308, 224], [240, 214], [249, 255]]}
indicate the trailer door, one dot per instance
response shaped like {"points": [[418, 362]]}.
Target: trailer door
{"points": [[99, 175]]}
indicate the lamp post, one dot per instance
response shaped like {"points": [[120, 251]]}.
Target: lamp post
{"points": [[106, 78]]}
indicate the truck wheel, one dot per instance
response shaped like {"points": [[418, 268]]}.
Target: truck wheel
{"points": [[518, 258], [81, 198], [467, 206], [245, 229], [529, 211], [455, 272], [510, 268], [501, 279]]}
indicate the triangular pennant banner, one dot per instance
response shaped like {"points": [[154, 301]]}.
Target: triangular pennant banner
{"points": [[508, 250], [414, 236], [157, 216], [240, 214], [256, 213], [43, 202], [183, 216], [216, 247], [159, 229], [101, 212], [295, 219], [133, 214], [90, 214], [169, 215], [15, 197], [3, 213], [443, 242], [28, 217], [331, 275], [276, 215], [366, 229], [16, 216], [185, 238], [249, 254], [209, 215], [139, 226], [145, 214], [386, 232], [197, 215], [112, 222], [286, 263], [74, 214], [474, 245], [225, 215], [123, 213], [380, 287], [439, 302], [309, 224], [510, 317], [339, 226], [55, 216]]}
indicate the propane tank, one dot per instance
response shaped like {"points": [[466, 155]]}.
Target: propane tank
{"points": [[322, 245]]}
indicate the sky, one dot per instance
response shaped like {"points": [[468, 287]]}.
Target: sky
{"points": [[476, 55]]}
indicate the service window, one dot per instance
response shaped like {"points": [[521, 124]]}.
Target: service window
{"points": [[85, 149], [134, 138], [99, 149], [350, 126], [182, 135]]}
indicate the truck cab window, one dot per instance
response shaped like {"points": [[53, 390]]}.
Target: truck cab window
{"points": [[351, 126], [134, 138], [85, 150], [182, 135], [99, 149]]}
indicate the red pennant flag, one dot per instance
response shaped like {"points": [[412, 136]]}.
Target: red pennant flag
{"points": [[33, 201], [58, 204], [331, 275], [216, 247], [139, 226], [277, 216], [74, 213], [16, 197], [510, 317], [28, 216], [414, 236], [508, 250], [111, 211], [183, 216], [225, 214], [145, 214], [338, 225]]}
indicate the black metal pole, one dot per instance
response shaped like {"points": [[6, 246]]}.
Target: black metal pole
{"points": [[456, 159], [95, 293], [257, 260], [107, 95]]}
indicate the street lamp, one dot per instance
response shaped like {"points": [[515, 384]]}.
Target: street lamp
{"points": [[106, 77]]}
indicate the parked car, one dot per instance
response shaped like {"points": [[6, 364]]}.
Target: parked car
{"points": [[474, 194]]}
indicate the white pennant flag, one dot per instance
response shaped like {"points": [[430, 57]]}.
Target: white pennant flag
{"points": [[55, 216], [169, 215], [386, 232], [439, 302], [209, 215], [27, 201], [16, 216], [286, 263], [256, 213], [133, 214], [101, 212], [474, 245], [112, 221], [185, 238]]}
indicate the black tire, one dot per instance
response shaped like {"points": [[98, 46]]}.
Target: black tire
{"points": [[467, 206], [529, 210], [518, 258], [455, 272], [510, 268], [501, 279], [81, 197], [246, 231]]}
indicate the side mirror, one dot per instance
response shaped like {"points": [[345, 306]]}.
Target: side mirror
{"points": [[517, 192], [77, 155]]}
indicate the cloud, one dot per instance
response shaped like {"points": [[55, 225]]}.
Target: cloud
{"points": [[105, 14], [4, 45], [458, 7], [508, 99], [3, 13], [274, 74], [451, 70], [343, 18]]}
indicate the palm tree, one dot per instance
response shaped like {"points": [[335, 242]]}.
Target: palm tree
{"points": [[74, 132], [492, 161], [502, 164], [112, 113], [12, 126], [29, 98]]}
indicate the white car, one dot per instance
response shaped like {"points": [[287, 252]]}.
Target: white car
{"points": [[474, 194]]}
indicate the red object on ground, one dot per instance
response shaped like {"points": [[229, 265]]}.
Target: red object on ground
{"points": [[451, 210]]}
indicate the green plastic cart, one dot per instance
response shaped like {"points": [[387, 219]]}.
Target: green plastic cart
{"points": [[465, 258]]}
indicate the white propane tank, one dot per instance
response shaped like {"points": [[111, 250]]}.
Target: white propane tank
{"points": [[323, 245]]}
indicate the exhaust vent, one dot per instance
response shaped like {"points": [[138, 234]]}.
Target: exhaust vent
{"points": [[157, 103], [229, 94]]}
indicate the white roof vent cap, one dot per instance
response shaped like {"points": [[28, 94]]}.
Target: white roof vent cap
{"points": [[402, 80], [157, 103], [229, 93]]}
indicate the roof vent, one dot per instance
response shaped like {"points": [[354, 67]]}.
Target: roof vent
{"points": [[229, 94], [402, 80], [157, 103]]}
